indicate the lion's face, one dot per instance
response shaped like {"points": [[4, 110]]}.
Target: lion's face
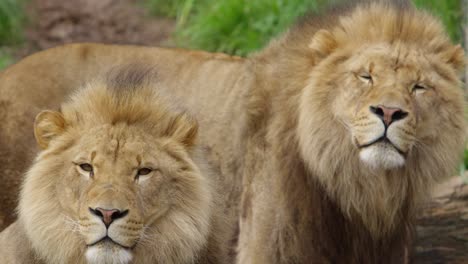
{"points": [[116, 192], [381, 119], [391, 99], [124, 182]]}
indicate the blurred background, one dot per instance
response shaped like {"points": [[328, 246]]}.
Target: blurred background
{"points": [[236, 27], [233, 26]]}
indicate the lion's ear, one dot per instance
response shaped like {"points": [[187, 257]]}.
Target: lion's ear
{"points": [[48, 125], [184, 129], [323, 43], [456, 57]]}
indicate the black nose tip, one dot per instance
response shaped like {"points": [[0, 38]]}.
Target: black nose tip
{"points": [[108, 215], [388, 114]]}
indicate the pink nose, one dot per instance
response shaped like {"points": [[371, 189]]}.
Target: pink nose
{"points": [[388, 114], [108, 215]]}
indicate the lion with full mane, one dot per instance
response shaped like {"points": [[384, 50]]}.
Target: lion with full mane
{"points": [[327, 141], [121, 179]]}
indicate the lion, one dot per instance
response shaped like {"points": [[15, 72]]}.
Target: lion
{"points": [[120, 179], [327, 141]]}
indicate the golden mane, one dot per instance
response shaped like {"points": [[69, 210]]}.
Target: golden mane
{"points": [[127, 94]]}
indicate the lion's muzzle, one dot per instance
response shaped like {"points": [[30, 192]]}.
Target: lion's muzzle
{"points": [[107, 237], [384, 136]]}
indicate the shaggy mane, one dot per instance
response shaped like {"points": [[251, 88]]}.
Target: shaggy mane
{"points": [[127, 94]]}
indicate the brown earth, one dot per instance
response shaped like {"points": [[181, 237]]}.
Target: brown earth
{"points": [[56, 22], [443, 225]]}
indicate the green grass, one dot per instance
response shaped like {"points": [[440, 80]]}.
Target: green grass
{"points": [[12, 18], [232, 26], [243, 26], [5, 59]]}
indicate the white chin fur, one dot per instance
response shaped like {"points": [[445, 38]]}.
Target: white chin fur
{"points": [[381, 157], [107, 255]]}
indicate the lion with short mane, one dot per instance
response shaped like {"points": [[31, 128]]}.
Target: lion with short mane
{"points": [[120, 180], [327, 141]]}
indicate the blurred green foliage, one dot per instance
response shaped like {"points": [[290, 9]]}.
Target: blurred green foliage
{"points": [[242, 26], [450, 11], [12, 18], [5, 59], [232, 26], [168, 8]]}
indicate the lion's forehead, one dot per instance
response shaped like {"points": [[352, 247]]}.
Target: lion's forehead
{"points": [[115, 136], [411, 59], [106, 145]]}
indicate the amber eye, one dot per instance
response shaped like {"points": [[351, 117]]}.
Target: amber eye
{"points": [[144, 171], [143, 174], [86, 167]]}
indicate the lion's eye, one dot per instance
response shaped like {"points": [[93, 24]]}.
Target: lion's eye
{"points": [[86, 167], [418, 88], [143, 174], [366, 77], [144, 171]]}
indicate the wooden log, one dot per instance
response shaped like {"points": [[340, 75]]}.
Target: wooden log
{"points": [[443, 226]]}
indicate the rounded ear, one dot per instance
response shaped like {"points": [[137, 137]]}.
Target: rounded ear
{"points": [[184, 129], [48, 125], [323, 43], [456, 57]]}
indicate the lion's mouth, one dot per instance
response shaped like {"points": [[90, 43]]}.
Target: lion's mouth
{"points": [[383, 140], [108, 241]]}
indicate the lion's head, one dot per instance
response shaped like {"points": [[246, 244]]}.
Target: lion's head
{"points": [[119, 179], [382, 115]]}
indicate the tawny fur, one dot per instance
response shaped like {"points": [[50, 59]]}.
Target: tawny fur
{"points": [[283, 127], [116, 125]]}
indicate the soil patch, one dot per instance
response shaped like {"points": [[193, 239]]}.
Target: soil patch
{"points": [[56, 22]]}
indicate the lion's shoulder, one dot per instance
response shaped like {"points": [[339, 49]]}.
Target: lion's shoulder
{"points": [[15, 247]]}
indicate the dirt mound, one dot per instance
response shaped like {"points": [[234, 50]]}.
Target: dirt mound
{"points": [[55, 22]]}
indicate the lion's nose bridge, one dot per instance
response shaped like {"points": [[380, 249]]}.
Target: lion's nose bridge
{"points": [[108, 196], [391, 99]]}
